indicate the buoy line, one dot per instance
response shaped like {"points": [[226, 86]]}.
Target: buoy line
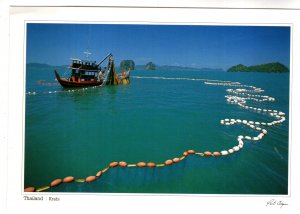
{"points": [[184, 78], [238, 96], [64, 91]]}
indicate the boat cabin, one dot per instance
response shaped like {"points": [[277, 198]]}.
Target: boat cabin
{"points": [[83, 70], [84, 64]]}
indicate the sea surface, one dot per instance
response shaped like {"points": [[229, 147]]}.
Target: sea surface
{"points": [[153, 119]]}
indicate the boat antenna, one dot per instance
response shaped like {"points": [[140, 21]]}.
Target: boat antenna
{"points": [[87, 53]]}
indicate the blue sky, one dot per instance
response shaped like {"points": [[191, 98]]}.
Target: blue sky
{"points": [[182, 45]]}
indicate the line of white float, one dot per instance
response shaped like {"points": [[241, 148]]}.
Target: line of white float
{"points": [[62, 91], [240, 97]]}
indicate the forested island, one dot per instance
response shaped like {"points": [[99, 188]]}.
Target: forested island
{"points": [[274, 67], [126, 64], [150, 66]]}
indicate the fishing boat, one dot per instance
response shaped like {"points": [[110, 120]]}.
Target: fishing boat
{"points": [[86, 73]]}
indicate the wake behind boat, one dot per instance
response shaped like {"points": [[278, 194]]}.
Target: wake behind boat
{"points": [[86, 73]]}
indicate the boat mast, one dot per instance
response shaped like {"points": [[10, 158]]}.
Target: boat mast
{"points": [[87, 53]]}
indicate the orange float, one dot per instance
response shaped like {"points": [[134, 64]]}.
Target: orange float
{"points": [[56, 182], [90, 178], [99, 174], [141, 164], [207, 153], [122, 164], [216, 154], [191, 151], [68, 179], [185, 154], [113, 164], [29, 189], [168, 162], [151, 164], [176, 160]]}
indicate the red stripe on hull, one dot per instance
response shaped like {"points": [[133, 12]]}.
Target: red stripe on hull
{"points": [[68, 84]]}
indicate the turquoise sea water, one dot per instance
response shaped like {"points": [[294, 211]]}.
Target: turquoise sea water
{"points": [[153, 119]]}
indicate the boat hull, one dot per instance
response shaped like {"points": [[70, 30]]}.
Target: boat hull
{"points": [[70, 84]]}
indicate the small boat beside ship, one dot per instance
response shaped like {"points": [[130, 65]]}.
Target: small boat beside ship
{"points": [[87, 73]]}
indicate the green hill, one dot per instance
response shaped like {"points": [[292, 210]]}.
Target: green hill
{"points": [[125, 64], [274, 67], [150, 66]]}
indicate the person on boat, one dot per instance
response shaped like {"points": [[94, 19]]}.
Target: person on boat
{"points": [[100, 70], [124, 74], [128, 71], [101, 73]]}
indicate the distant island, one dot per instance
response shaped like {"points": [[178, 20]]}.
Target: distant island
{"points": [[150, 66], [125, 64], [274, 67]]}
